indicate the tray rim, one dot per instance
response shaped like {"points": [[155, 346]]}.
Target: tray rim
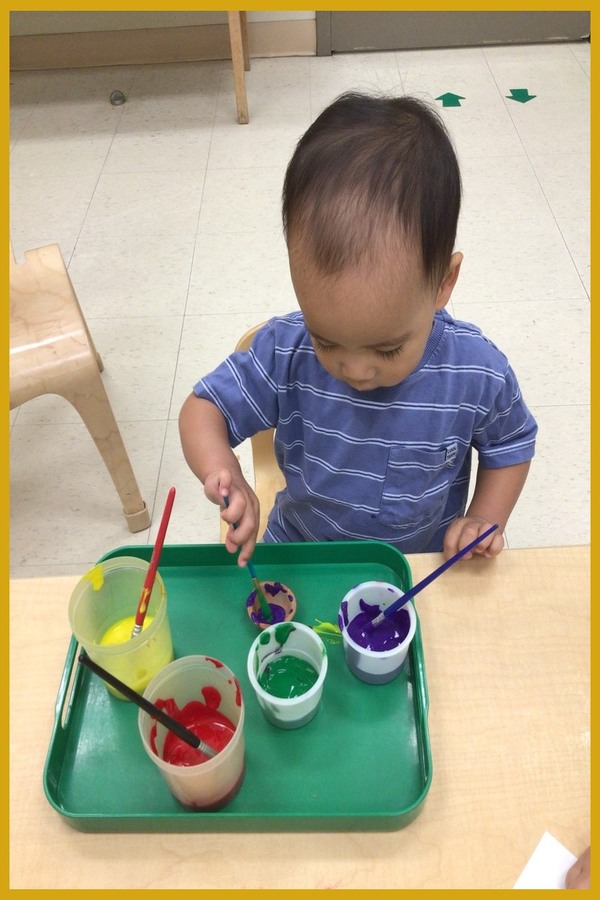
{"points": [[224, 820]]}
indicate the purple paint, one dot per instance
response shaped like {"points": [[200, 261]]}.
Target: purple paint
{"points": [[278, 612], [392, 631]]}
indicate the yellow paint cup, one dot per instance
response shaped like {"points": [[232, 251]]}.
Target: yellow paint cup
{"points": [[102, 614]]}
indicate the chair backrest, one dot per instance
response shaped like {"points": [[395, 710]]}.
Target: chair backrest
{"points": [[268, 477]]}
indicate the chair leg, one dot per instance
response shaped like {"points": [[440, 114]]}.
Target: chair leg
{"points": [[238, 62], [91, 402], [244, 29]]}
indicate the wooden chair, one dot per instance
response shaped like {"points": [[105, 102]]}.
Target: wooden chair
{"points": [[268, 477], [240, 59], [52, 352]]}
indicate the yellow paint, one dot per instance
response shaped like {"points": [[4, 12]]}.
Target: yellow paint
{"points": [[328, 630], [96, 576], [121, 630]]}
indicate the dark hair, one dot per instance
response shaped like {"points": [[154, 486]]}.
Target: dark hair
{"points": [[370, 169]]}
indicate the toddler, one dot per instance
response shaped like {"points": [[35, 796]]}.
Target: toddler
{"points": [[378, 396]]}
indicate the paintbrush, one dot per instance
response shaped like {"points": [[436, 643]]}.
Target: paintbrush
{"points": [[262, 599], [159, 714], [142, 608], [398, 604]]}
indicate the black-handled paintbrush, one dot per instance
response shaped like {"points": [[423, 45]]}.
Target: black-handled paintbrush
{"points": [[159, 714]]}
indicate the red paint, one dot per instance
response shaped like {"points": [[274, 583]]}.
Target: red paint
{"points": [[216, 663], [238, 692], [203, 720], [212, 697]]}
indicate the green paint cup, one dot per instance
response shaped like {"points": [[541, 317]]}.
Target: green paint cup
{"points": [[294, 649]]}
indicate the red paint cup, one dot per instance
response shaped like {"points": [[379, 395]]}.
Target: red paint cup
{"points": [[212, 783]]}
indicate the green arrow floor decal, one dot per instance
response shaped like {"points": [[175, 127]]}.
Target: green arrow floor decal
{"points": [[450, 99], [521, 95]]}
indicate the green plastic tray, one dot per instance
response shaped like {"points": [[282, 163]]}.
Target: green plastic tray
{"points": [[363, 763]]}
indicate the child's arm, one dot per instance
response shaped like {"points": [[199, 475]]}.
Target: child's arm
{"points": [[206, 448], [496, 493]]}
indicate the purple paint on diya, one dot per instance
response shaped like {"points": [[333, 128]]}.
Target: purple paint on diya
{"points": [[282, 608], [278, 612]]}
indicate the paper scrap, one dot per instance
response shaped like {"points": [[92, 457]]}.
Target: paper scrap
{"points": [[548, 865]]}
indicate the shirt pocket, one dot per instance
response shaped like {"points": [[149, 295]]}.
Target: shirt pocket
{"points": [[416, 488]]}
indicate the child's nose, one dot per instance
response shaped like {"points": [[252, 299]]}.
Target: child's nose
{"points": [[356, 369]]}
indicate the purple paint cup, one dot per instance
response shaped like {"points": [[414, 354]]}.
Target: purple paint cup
{"points": [[376, 656]]}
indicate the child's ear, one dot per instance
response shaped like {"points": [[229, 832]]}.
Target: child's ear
{"points": [[449, 280]]}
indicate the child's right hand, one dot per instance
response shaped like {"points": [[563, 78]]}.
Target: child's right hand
{"points": [[242, 511]]}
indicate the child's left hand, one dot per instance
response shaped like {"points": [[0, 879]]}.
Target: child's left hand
{"points": [[462, 531]]}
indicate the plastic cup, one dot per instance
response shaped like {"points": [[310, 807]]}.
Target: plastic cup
{"points": [[377, 666], [273, 646], [208, 785], [108, 595]]}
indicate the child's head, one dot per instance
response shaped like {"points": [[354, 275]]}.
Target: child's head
{"points": [[370, 208]]}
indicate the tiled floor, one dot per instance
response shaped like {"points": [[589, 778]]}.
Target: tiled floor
{"points": [[167, 213]]}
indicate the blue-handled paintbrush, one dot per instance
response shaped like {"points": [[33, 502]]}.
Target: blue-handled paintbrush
{"points": [[398, 604], [264, 603]]}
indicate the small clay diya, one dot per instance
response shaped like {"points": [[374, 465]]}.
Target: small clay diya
{"points": [[282, 603]]}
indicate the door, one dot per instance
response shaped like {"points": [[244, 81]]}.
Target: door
{"points": [[339, 32]]}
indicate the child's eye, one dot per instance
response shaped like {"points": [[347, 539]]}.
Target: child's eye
{"points": [[389, 354], [322, 348]]}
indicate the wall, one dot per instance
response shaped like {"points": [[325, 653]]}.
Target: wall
{"points": [[46, 40]]}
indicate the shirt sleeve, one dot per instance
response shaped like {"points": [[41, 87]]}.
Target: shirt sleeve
{"points": [[506, 433], [244, 387]]}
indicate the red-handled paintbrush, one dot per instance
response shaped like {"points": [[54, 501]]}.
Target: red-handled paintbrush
{"points": [[151, 573]]}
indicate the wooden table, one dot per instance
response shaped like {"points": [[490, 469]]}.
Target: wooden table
{"points": [[506, 646]]}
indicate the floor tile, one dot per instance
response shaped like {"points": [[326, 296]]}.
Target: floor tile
{"points": [[255, 145], [526, 331], [502, 187], [554, 508], [50, 207], [241, 272], [237, 200], [64, 507], [182, 146], [135, 275], [146, 203], [507, 260]]}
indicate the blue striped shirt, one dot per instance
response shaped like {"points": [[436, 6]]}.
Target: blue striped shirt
{"points": [[391, 464]]}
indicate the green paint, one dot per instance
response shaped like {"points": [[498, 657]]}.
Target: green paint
{"points": [[287, 677], [521, 95], [264, 638], [283, 631], [449, 99]]}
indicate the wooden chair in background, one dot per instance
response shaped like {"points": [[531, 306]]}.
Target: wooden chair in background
{"points": [[240, 59], [52, 352], [268, 477]]}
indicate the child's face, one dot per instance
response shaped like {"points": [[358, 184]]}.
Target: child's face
{"points": [[369, 328]]}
